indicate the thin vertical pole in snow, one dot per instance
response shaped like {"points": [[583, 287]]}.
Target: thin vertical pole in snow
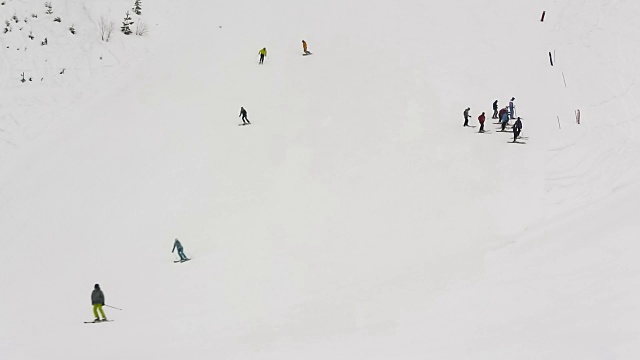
{"points": [[542, 18], [550, 58], [559, 122], [565, 80], [578, 116]]}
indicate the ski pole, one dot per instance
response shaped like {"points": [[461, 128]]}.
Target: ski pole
{"points": [[113, 307]]}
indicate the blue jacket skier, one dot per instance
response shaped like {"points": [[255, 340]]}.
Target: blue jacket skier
{"points": [[504, 120], [178, 245]]}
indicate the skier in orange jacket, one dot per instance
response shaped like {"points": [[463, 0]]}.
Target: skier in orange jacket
{"points": [[304, 48]]}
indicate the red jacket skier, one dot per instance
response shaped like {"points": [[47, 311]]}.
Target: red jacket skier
{"points": [[481, 121]]}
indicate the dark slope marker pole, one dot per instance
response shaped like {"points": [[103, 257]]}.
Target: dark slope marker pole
{"points": [[542, 18], [550, 58]]}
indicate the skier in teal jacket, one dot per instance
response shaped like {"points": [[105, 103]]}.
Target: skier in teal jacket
{"points": [[178, 245]]}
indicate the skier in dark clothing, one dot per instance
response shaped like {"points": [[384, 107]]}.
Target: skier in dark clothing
{"points": [[466, 116], [495, 110], [512, 108], [97, 300], [178, 245], [243, 116], [517, 127], [481, 121]]}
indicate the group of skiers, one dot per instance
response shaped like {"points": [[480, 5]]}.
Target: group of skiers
{"points": [[503, 116], [97, 296]]}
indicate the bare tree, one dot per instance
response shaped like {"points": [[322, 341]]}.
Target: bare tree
{"points": [[141, 28], [106, 28]]}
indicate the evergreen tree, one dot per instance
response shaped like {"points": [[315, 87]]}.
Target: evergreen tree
{"points": [[137, 8], [126, 29]]}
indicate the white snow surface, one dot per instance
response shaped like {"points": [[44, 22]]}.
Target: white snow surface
{"points": [[355, 218]]}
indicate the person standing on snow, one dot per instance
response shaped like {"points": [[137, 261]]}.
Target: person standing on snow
{"points": [[481, 121], [504, 120], [97, 300], [517, 127], [502, 112], [512, 108], [243, 116], [466, 116], [495, 110], [178, 245], [263, 54], [304, 48]]}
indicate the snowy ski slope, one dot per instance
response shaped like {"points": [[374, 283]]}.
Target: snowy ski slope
{"points": [[356, 217]]}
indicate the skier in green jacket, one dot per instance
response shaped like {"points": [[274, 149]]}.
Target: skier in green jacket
{"points": [[263, 54]]}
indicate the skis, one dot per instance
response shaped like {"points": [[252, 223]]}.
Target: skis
{"points": [[307, 53], [95, 322], [244, 124], [180, 261]]}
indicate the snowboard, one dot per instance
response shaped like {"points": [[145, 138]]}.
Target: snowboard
{"points": [[180, 261], [96, 322]]}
